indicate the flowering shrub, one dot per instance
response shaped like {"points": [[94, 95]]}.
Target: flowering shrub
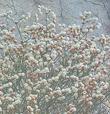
{"points": [[53, 69]]}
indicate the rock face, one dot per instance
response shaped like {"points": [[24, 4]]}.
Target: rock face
{"points": [[67, 10]]}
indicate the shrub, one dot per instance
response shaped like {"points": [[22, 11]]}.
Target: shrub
{"points": [[52, 69]]}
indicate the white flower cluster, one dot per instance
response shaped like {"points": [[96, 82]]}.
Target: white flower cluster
{"points": [[53, 72]]}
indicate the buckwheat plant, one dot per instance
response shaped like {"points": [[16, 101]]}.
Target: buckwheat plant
{"points": [[49, 68]]}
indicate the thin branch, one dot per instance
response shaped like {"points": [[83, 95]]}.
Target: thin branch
{"points": [[61, 9]]}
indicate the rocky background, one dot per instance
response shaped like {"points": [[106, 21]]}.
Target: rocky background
{"points": [[67, 10]]}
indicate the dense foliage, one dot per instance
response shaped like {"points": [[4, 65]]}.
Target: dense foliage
{"points": [[51, 68]]}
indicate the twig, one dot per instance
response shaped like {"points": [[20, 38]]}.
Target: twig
{"points": [[61, 9]]}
